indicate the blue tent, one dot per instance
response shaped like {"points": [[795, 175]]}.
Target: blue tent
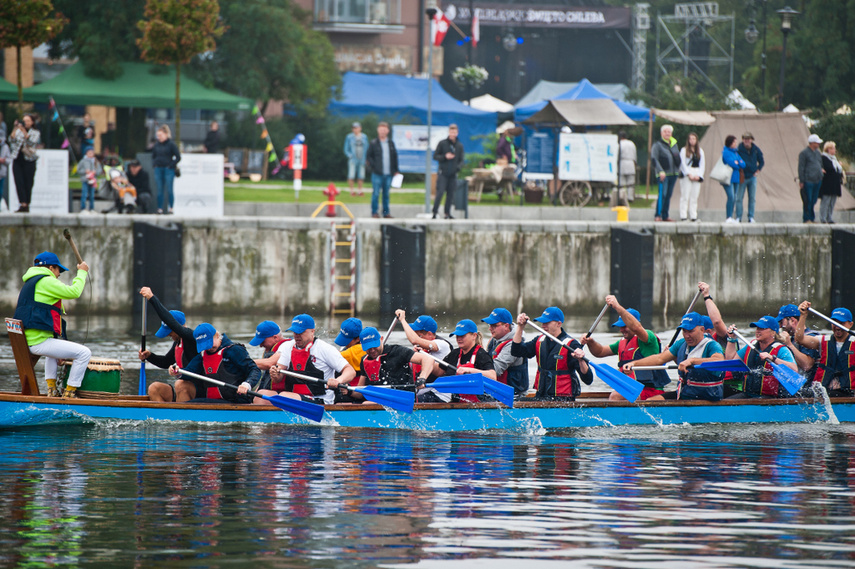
{"points": [[585, 90], [399, 99]]}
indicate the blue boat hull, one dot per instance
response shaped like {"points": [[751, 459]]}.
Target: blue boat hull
{"points": [[18, 410]]}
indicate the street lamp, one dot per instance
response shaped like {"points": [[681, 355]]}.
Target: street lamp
{"points": [[751, 35], [787, 15]]}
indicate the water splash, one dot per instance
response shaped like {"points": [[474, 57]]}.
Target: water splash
{"points": [[821, 394]]}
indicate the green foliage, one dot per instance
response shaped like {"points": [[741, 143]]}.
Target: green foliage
{"points": [[841, 130], [480, 159], [28, 23], [270, 52]]}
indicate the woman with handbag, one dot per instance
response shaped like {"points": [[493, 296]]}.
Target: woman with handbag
{"points": [[692, 167], [833, 178], [23, 142], [165, 158], [731, 158]]}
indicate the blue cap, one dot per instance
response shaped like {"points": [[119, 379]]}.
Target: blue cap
{"points": [[263, 331], [708, 325], [301, 323], [204, 334], [499, 315], [691, 321], [767, 322], [465, 327], [551, 314], [369, 338], [619, 322], [47, 259], [350, 330], [841, 315], [424, 323], [164, 330], [788, 311]]}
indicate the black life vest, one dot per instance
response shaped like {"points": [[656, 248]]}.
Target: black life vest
{"points": [[835, 364], [515, 376], [39, 315]]}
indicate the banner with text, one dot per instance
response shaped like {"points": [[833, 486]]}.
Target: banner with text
{"points": [[541, 15], [589, 157], [412, 143]]}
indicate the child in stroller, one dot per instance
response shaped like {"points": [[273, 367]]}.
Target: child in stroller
{"points": [[120, 190]]}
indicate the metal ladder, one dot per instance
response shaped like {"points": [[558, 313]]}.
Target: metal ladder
{"points": [[343, 268]]}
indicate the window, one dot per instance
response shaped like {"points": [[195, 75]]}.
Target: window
{"points": [[376, 12]]}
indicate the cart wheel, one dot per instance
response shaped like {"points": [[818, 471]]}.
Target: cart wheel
{"points": [[575, 193]]}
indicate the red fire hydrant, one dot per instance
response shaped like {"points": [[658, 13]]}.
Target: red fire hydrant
{"points": [[331, 192]]}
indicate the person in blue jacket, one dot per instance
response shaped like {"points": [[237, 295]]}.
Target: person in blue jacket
{"points": [[731, 157]]}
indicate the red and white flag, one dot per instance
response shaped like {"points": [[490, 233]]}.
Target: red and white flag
{"points": [[476, 29], [439, 27]]}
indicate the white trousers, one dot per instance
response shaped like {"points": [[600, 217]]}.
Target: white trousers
{"points": [[54, 349], [689, 192]]}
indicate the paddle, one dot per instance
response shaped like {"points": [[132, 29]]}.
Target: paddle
{"points": [[716, 365], [465, 384], [398, 400], [691, 306], [310, 411], [495, 389], [597, 321], [849, 331], [142, 386], [389, 331], [791, 380], [627, 387]]}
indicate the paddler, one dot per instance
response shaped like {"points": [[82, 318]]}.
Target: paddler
{"points": [[389, 364], [269, 336], [468, 357], [348, 339], [40, 311], [693, 348], [637, 343], [713, 323], [510, 370], [836, 362], [221, 359], [768, 349], [422, 335], [183, 350], [307, 355], [559, 366], [788, 319]]}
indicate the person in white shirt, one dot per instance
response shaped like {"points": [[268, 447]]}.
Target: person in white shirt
{"points": [[692, 166]]}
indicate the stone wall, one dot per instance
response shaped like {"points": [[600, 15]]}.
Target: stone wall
{"points": [[281, 265]]}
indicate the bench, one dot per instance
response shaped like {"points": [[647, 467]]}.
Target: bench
{"points": [[500, 179], [24, 360]]}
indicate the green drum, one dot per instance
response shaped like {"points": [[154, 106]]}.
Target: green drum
{"points": [[101, 374]]}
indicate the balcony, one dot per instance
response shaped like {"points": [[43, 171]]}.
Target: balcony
{"points": [[359, 16]]}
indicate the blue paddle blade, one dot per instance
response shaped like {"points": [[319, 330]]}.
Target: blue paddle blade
{"points": [[790, 379], [305, 409], [499, 391], [627, 387], [143, 388], [724, 365], [466, 384], [398, 400]]}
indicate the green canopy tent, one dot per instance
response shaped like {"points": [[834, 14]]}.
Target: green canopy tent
{"points": [[8, 91], [137, 87]]}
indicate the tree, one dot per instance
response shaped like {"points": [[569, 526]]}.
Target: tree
{"points": [[270, 52], [175, 31], [29, 23]]}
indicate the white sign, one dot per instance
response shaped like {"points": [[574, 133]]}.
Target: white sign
{"points": [[199, 190], [414, 136], [590, 157], [50, 188]]}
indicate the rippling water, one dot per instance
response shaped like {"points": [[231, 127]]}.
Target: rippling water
{"points": [[155, 495]]}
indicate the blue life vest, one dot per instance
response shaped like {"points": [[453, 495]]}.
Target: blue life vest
{"points": [[39, 315]]}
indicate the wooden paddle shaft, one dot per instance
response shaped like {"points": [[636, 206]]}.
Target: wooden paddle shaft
{"points": [[834, 322], [691, 306], [67, 234]]}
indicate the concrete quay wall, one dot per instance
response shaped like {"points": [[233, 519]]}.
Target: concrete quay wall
{"points": [[281, 265]]}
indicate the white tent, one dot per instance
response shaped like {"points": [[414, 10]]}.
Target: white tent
{"points": [[491, 104], [738, 100]]}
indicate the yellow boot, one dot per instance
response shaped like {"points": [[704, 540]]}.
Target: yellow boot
{"points": [[70, 392], [52, 391]]}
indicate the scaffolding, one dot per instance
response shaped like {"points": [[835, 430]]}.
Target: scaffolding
{"points": [[640, 26]]}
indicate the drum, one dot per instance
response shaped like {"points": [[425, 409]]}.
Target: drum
{"points": [[102, 374]]}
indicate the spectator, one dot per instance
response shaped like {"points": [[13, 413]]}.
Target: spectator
{"points": [[505, 147], [833, 178], [753, 158], [5, 160], [731, 157], [627, 164], [382, 160], [140, 180], [665, 156], [3, 132], [86, 133], [692, 167], [89, 169], [165, 158], [810, 177], [355, 148], [212, 139], [449, 154], [24, 140]]}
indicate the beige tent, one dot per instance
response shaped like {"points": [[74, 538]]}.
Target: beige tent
{"points": [[781, 136], [580, 112]]}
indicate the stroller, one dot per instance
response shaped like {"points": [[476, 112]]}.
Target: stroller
{"points": [[117, 188]]}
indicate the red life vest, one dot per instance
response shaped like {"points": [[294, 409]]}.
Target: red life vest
{"points": [[626, 353], [212, 364], [179, 353], [278, 385], [562, 371], [372, 369], [768, 384], [835, 365], [301, 362], [504, 377], [470, 364], [417, 368]]}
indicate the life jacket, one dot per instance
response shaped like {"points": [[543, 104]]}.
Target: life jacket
{"points": [[265, 382], [760, 381], [372, 370], [417, 368], [378, 372], [38, 315], [515, 376], [564, 382], [469, 364], [301, 362], [213, 366], [695, 376], [835, 364], [627, 352]]}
